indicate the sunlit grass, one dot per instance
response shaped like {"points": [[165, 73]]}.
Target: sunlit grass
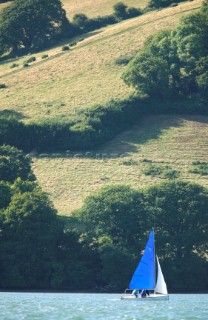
{"points": [[163, 141], [85, 75], [94, 8]]}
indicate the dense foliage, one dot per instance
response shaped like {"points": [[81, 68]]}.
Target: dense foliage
{"points": [[120, 12], [13, 165], [35, 250], [40, 250], [27, 26], [117, 220], [173, 62], [31, 25], [93, 126], [156, 4]]}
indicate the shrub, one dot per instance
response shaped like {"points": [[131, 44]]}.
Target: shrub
{"points": [[71, 44], [31, 59], [130, 162], [12, 132], [125, 59], [65, 48], [120, 10], [80, 21], [25, 65], [164, 172], [199, 168], [3, 85], [44, 56], [14, 65], [133, 12]]}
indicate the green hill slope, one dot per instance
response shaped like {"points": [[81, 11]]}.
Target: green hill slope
{"points": [[162, 143], [162, 147], [85, 75]]}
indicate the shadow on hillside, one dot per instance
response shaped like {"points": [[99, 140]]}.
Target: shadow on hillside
{"points": [[151, 128], [12, 113]]}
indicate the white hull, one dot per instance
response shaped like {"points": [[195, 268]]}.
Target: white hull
{"points": [[151, 297]]}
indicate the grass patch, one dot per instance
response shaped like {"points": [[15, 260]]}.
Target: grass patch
{"points": [[162, 171], [200, 168], [99, 8], [174, 141], [130, 162]]}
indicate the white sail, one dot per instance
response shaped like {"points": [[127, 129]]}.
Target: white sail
{"points": [[160, 285]]}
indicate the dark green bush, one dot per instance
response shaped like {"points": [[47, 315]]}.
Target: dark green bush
{"points": [[25, 65], [90, 128], [134, 12], [31, 59], [65, 48], [44, 56], [156, 4], [14, 65], [12, 132], [130, 162], [200, 168], [3, 86], [164, 172], [71, 44]]}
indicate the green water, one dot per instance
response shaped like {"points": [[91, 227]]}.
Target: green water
{"points": [[50, 306]]}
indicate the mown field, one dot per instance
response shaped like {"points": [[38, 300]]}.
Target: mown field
{"points": [[85, 75], [93, 8], [165, 142]]}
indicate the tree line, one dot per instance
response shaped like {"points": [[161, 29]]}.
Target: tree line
{"points": [[28, 26], [98, 247], [173, 62]]}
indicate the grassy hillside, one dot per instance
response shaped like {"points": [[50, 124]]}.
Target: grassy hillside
{"points": [[162, 147], [85, 75], [93, 8], [161, 141]]}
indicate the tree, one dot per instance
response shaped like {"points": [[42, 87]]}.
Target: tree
{"points": [[5, 194], [113, 222], [156, 4], [120, 10], [149, 74], [116, 222], [173, 62], [115, 213], [14, 164], [30, 235], [192, 49], [80, 21], [178, 212], [31, 24]]}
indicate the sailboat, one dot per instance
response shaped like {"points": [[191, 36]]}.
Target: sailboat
{"points": [[148, 276]]}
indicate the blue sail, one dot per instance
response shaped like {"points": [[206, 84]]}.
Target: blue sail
{"points": [[144, 275]]}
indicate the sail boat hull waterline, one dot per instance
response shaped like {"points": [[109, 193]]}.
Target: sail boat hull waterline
{"points": [[147, 277]]}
